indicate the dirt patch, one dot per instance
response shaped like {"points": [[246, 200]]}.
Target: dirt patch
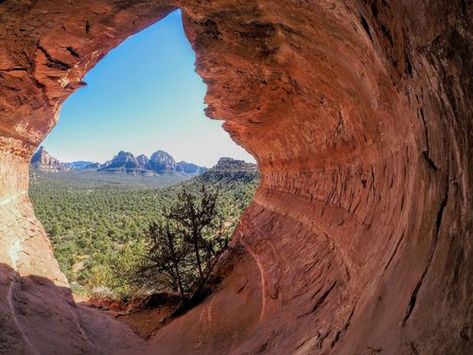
{"points": [[142, 315]]}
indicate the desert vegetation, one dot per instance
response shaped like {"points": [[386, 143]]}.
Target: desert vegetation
{"points": [[113, 240], [182, 249]]}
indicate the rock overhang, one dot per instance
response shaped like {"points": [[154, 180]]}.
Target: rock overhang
{"points": [[356, 114]]}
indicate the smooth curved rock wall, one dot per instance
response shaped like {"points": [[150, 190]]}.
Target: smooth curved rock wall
{"points": [[359, 114]]}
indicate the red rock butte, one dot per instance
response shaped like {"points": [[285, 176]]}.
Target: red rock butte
{"points": [[359, 113]]}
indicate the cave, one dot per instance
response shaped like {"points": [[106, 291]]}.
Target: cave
{"points": [[359, 115]]}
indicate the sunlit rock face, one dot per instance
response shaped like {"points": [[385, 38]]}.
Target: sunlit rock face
{"points": [[359, 113]]}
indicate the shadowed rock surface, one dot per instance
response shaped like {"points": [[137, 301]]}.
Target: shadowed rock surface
{"points": [[359, 113]]}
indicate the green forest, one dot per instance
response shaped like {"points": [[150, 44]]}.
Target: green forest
{"points": [[98, 231]]}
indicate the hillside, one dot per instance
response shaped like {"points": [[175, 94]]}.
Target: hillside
{"points": [[228, 170]]}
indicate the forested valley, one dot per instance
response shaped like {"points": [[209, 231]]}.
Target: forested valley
{"points": [[99, 230]]}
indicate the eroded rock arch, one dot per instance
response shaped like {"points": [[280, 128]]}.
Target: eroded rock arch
{"points": [[359, 115]]}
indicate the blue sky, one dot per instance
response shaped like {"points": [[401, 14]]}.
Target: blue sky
{"points": [[143, 96]]}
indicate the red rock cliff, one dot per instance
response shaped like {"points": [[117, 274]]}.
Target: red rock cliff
{"points": [[359, 113]]}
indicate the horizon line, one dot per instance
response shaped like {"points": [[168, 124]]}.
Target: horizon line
{"points": [[135, 155]]}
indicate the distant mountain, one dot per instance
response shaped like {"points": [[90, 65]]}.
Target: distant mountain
{"points": [[79, 165], [41, 160], [189, 168], [44, 162], [142, 160], [92, 166], [229, 170], [160, 161], [156, 171], [124, 162]]}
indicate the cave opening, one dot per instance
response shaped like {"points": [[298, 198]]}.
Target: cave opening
{"points": [[95, 192]]}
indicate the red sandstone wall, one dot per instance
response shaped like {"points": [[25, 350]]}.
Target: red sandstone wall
{"points": [[359, 114]]}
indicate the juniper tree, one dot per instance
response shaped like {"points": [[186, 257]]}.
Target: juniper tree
{"points": [[183, 250], [163, 264], [195, 214]]}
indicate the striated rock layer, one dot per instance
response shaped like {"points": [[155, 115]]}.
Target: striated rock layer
{"points": [[359, 113]]}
